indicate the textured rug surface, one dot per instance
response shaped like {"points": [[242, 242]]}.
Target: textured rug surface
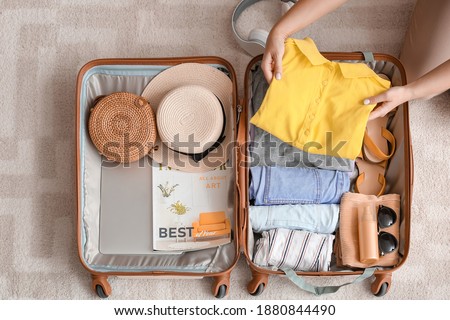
{"points": [[45, 43]]}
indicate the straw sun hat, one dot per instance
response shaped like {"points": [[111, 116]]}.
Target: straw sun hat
{"points": [[122, 127], [192, 103]]}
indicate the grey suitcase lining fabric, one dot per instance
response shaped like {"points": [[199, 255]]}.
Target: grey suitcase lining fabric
{"points": [[103, 80]]}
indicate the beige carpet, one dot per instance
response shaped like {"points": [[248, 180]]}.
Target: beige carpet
{"points": [[44, 44]]}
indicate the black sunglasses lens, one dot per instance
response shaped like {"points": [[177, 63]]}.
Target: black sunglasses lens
{"points": [[386, 242], [386, 217]]}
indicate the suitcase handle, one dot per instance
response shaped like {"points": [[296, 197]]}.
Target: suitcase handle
{"points": [[316, 290]]}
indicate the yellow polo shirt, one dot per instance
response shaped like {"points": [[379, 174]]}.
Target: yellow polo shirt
{"points": [[318, 106]]}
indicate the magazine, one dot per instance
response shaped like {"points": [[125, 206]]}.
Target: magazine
{"points": [[191, 211]]}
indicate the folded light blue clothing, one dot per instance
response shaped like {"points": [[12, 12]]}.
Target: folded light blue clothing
{"points": [[320, 218], [267, 150], [279, 185], [298, 250]]}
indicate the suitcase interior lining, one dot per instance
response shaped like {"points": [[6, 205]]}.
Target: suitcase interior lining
{"points": [[103, 80], [395, 173]]}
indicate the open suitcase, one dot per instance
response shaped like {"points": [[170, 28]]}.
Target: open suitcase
{"points": [[101, 77], [399, 180], [126, 250]]}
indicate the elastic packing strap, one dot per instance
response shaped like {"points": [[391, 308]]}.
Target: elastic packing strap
{"points": [[368, 56], [302, 284]]}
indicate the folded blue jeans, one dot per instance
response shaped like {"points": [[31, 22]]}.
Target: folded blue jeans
{"points": [[320, 218], [279, 185]]}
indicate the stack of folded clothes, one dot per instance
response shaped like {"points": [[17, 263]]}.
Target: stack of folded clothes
{"points": [[302, 153]]}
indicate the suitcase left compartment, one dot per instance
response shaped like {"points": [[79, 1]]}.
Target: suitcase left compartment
{"points": [[156, 170]]}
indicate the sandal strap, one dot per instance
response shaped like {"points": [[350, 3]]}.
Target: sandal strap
{"points": [[381, 180], [375, 150], [359, 181]]}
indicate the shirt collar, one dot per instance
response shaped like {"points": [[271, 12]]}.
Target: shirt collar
{"points": [[309, 49], [348, 70], [356, 70]]}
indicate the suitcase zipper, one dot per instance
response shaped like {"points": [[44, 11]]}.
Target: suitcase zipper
{"points": [[239, 111]]}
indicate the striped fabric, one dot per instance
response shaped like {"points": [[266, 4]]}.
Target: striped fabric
{"points": [[299, 250]]}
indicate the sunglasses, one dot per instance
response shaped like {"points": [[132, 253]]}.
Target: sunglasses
{"points": [[387, 243]]}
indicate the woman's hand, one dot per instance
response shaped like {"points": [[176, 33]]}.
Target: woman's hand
{"points": [[387, 101], [273, 54], [429, 85], [302, 14]]}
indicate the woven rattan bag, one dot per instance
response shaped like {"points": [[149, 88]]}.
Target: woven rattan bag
{"points": [[122, 127]]}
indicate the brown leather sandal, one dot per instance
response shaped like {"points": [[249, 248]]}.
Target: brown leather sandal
{"points": [[371, 178], [378, 141]]}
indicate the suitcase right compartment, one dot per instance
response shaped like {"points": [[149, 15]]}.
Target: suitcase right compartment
{"points": [[399, 175]]}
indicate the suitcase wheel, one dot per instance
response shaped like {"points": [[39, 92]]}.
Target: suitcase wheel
{"points": [[221, 285], [382, 284], [383, 290], [101, 286], [258, 284], [101, 292], [258, 290], [221, 292]]}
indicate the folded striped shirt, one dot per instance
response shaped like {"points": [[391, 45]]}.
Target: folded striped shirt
{"points": [[298, 250]]}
